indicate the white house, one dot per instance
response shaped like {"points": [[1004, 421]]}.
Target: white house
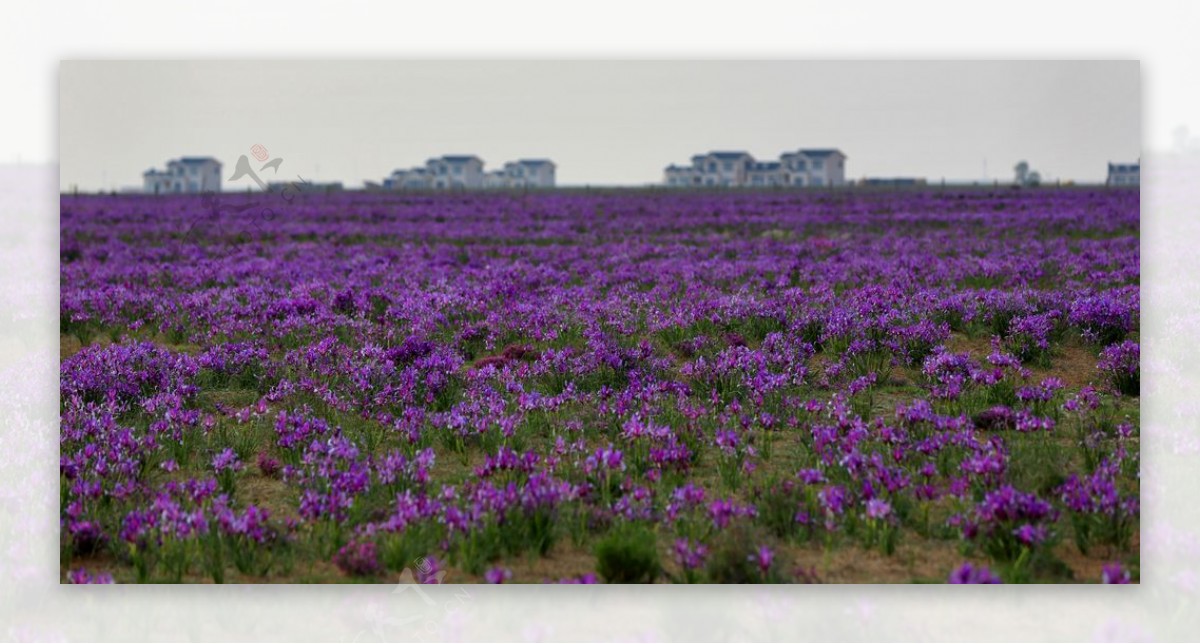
{"points": [[806, 167], [466, 171], [722, 168], [815, 167], [1124, 174], [529, 173], [681, 176], [185, 175], [455, 171], [411, 179]]}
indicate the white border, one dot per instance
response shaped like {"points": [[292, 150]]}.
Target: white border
{"points": [[34, 36]]}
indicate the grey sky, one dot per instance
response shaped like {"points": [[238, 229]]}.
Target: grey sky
{"points": [[601, 122]]}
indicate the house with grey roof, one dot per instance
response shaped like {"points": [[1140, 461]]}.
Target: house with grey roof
{"points": [[467, 172], [1124, 174], [682, 176], [186, 175], [815, 167], [802, 168], [408, 179], [455, 171], [727, 168], [529, 173]]}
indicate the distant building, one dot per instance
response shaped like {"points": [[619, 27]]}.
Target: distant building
{"points": [[184, 176], [680, 176], [529, 173], [467, 172], [807, 167], [1124, 174], [722, 168], [455, 171], [815, 167], [412, 179]]}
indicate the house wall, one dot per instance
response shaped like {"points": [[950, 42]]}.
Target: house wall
{"points": [[543, 175], [819, 171], [835, 170], [1124, 178], [212, 178], [472, 176]]}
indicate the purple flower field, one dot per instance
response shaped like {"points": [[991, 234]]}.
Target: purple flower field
{"points": [[615, 386]]}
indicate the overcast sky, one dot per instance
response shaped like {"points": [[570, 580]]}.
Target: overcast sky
{"points": [[601, 122]]}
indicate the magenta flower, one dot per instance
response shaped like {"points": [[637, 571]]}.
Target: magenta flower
{"points": [[968, 574], [763, 558], [358, 559], [878, 509], [226, 460], [1113, 573], [82, 576], [689, 556], [497, 575]]}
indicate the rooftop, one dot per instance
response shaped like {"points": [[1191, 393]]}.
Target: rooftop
{"points": [[198, 160], [820, 152], [724, 156]]}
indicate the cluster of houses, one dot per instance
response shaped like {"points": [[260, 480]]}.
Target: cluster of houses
{"points": [[466, 172], [806, 167], [184, 175], [802, 168]]}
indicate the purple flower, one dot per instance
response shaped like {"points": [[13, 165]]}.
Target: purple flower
{"points": [[604, 460], [429, 571], [226, 460], [1030, 535], [968, 574], [82, 576], [86, 536], [498, 575], [722, 511], [878, 509], [689, 556], [268, 465], [762, 558], [358, 559], [1121, 365], [1113, 573]]}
